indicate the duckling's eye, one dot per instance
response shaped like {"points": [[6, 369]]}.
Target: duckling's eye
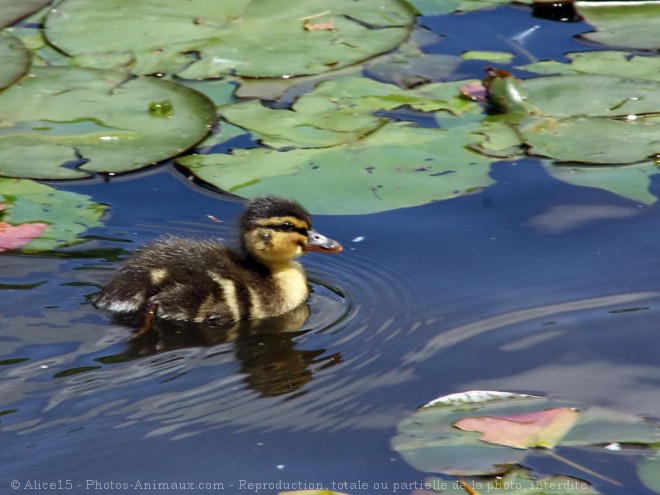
{"points": [[287, 227]]}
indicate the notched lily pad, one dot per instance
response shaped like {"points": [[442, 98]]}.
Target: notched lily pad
{"points": [[258, 39], [36, 217], [507, 425], [64, 123]]}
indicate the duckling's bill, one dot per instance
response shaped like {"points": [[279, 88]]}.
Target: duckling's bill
{"points": [[320, 243]]}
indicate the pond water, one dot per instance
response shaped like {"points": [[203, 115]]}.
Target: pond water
{"points": [[530, 285]]}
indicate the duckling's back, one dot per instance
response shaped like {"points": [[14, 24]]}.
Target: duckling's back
{"points": [[201, 280]]}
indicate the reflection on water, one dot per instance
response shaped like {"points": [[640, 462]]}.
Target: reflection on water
{"points": [[266, 349]]}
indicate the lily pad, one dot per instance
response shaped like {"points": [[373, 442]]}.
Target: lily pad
{"points": [[397, 166], [606, 62], [649, 473], [336, 112], [632, 181], [14, 60], [63, 123], [592, 95], [47, 218], [12, 11], [634, 25], [582, 139], [501, 57], [258, 39], [430, 440]]}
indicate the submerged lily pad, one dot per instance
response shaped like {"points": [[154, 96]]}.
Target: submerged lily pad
{"points": [[56, 217], [634, 25], [430, 440], [267, 38], [12, 11], [63, 123], [14, 60], [397, 166]]}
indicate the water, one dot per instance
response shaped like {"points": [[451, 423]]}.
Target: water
{"points": [[529, 286]]}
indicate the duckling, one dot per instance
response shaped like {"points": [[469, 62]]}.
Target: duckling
{"points": [[198, 280]]}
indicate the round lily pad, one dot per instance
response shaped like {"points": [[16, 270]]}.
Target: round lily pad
{"points": [[14, 60], [486, 432], [268, 38], [64, 123]]}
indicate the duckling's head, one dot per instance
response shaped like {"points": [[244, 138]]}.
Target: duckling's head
{"points": [[275, 231]]}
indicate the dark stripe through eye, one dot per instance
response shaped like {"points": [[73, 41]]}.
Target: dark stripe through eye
{"points": [[289, 227]]}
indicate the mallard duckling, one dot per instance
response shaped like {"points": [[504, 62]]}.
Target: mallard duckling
{"points": [[203, 281]]}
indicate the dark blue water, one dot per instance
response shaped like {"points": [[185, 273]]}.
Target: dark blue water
{"points": [[531, 286]]}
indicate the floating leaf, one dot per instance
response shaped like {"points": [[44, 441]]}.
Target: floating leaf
{"points": [[634, 25], [53, 218], [649, 473], [336, 112], [63, 123], [430, 441], [592, 95], [606, 62], [17, 236], [258, 39], [581, 139], [14, 60], [534, 429], [12, 11], [502, 57], [632, 181], [398, 165]]}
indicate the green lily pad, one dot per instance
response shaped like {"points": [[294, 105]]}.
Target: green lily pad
{"points": [[258, 39], [593, 140], [649, 473], [63, 123], [336, 112], [606, 62], [65, 214], [441, 7], [397, 166], [14, 60], [634, 25], [592, 95], [632, 181], [502, 57], [430, 441], [12, 11]]}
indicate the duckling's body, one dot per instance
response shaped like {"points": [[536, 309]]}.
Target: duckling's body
{"points": [[204, 281]]}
